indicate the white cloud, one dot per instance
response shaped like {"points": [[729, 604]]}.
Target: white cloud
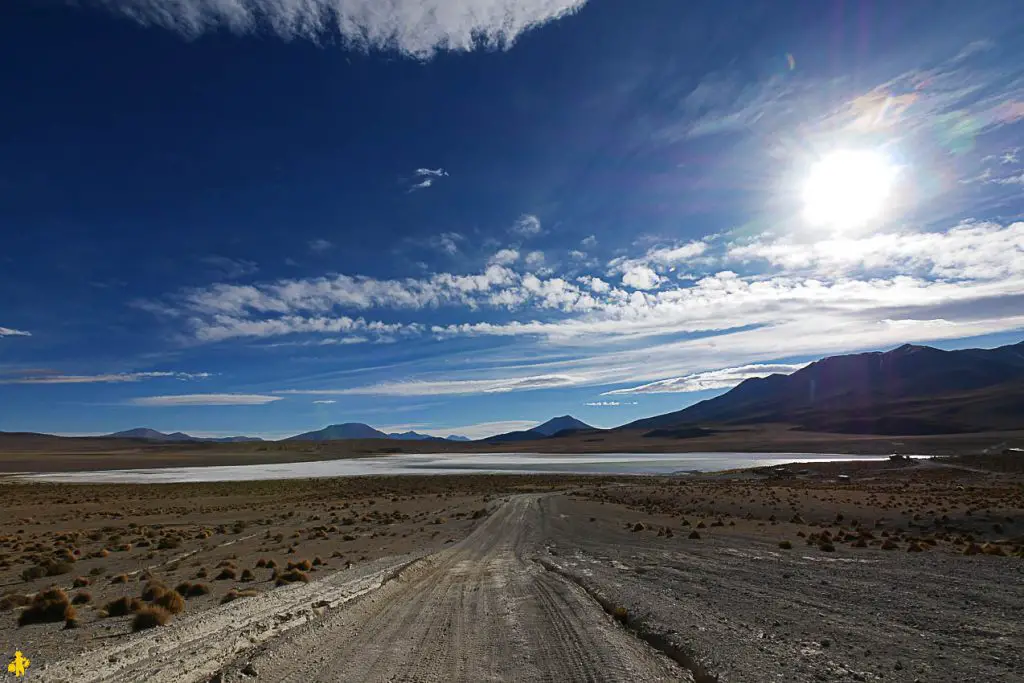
{"points": [[534, 259], [577, 255], [527, 225], [447, 242], [981, 251], [712, 379], [429, 176], [115, 378], [416, 28], [444, 387], [204, 400], [609, 404], [9, 332], [641, 277], [595, 284], [319, 245], [505, 257], [589, 242], [328, 401]]}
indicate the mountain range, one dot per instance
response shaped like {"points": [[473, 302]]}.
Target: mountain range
{"points": [[154, 435], [556, 426], [358, 430], [909, 390]]}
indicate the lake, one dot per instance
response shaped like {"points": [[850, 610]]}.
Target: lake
{"points": [[446, 463]]}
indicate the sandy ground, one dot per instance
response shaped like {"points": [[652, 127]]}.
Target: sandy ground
{"points": [[546, 578]]}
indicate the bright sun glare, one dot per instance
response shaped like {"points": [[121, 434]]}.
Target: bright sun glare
{"points": [[848, 188]]}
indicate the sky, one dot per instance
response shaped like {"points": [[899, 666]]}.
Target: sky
{"points": [[468, 216]]}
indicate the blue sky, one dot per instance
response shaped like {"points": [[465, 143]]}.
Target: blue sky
{"points": [[472, 215]]}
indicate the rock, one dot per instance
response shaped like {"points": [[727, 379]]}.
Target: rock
{"points": [[639, 526], [250, 670]]}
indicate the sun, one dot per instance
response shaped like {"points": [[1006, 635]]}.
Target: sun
{"points": [[848, 188]]}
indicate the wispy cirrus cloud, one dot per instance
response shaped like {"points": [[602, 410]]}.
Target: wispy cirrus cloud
{"points": [[443, 387], [10, 332], [319, 245], [713, 379], [114, 378], [415, 28], [229, 268], [324, 402], [426, 177], [204, 400], [609, 404]]}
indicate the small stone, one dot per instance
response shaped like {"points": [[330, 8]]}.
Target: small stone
{"points": [[250, 670]]}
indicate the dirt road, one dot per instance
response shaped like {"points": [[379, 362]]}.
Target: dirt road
{"points": [[483, 610]]}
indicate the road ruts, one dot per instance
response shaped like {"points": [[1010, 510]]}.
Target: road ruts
{"points": [[482, 610]]}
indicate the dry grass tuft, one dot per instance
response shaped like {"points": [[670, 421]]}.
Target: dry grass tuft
{"points": [[49, 606], [226, 574], [172, 601], [154, 590], [122, 606], [785, 545], [291, 576], [187, 589], [120, 578], [150, 617], [81, 598], [247, 575]]}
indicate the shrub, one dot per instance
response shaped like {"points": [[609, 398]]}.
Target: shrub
{"points": [[890, 544], [694, 534], [80, 582], [153, 590], [120, 578], [302, 565], [247, 575], [261, 563], [826, 546], [291, 576], [172, 601], [226, 574], [122, 606], [33, 573], [785, 545], [49, 606], [81, 598], [188, 589], [621, 614], [150, 617], [70, 618]]}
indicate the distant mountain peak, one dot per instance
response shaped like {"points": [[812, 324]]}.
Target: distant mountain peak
{"points": [[560, 424]]}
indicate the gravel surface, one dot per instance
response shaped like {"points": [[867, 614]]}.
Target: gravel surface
{"points": [[554, 588]]}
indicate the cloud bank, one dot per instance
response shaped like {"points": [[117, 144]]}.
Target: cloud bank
{"points": [[415, 28], [114, 378], [713, 379], [204, 400]]}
